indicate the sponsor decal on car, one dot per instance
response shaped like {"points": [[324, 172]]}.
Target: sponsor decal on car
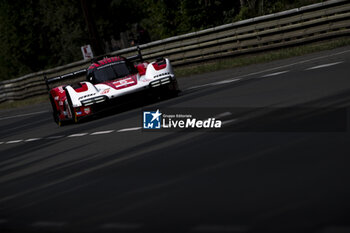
{"points": [[162, 74], [87, 111], [124, 82], [85, 96], [60, 89], [105, 91]]}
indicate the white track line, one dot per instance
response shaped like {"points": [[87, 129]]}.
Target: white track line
{"points": [[225, 81], [32, 139], [129, 129], [71, 136], [14, 141], [277, 68], [229, 121], [77, 135], [216, 83], [224, 114], [275, 74], [324, 65], [102, 132], [22, 115]]}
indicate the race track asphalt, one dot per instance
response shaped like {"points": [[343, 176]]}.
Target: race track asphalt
{"points": [[109, 175]]}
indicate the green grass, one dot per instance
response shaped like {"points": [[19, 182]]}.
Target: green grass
{"points": [[25, 102], [266, 56], [237, 61]]}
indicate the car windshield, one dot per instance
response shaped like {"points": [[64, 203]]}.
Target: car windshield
{"points": [[112, 71]]}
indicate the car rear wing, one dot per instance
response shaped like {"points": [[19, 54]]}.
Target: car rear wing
{"points": [[133, 58], [74, 74], [137, 57]]}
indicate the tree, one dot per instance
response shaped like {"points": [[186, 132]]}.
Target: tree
{"points": [[91, 25], [257, 6], [166, 18], [18, 38]]}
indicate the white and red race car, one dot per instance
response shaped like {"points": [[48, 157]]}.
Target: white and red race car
{"points": [[107, 81]]}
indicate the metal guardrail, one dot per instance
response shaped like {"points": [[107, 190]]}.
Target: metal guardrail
{"points": [[297, 26]]}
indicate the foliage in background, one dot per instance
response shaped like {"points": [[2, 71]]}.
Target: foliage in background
{"points": [[18, 38], [167, 18], [40, 34]]}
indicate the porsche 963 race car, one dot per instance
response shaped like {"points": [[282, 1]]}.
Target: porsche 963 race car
{"points": [[108, 80]]}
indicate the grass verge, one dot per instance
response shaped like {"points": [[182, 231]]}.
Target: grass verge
{"points": [[266, 56], [25, 102]]}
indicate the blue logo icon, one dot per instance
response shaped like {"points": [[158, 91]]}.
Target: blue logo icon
{"points": [[151, 120]]}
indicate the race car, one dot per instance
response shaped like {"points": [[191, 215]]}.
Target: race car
{"points": [[107, 82]]}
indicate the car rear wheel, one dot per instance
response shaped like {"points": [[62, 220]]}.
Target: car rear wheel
{"points": [[55, 113]]}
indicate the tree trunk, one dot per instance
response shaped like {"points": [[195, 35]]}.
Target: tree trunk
{"points": [[93, 34]]}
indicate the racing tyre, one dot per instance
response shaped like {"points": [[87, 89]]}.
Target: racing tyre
{"points": [[55, 113], [71, 109]]}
